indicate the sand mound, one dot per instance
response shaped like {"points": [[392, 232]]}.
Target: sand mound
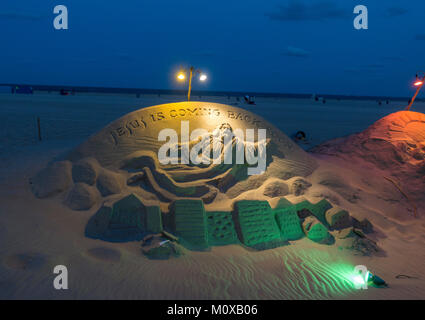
{"points": [[123, 158], [204, 204], [395, 146]]}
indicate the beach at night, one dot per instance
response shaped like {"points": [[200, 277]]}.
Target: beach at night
{"points": [[213, 160]]}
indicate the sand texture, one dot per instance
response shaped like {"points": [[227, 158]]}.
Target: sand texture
{"points": [[294, 232]]}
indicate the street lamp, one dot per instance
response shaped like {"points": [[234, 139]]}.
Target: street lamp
{"points": [[419, 83], [181, 76]]}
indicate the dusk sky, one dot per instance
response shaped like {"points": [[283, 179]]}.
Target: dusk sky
{"points": [[280, 46]]}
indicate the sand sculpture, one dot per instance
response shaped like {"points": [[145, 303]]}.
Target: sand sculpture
{"points": [[116, 173]]}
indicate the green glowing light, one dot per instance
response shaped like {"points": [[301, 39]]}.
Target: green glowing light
{"points": [[358, 280], [331, 275], [346, 274]]}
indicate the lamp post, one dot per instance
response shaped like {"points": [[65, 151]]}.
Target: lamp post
{"points": [[419, 83], [181, 76]]}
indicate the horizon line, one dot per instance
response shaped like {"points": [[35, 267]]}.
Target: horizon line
{"points": [[95, 89]]}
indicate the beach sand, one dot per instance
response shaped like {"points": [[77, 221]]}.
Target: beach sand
{"points": [[36, 235]]}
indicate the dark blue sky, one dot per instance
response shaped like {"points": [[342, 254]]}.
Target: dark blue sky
{"points": [[300, 46]]}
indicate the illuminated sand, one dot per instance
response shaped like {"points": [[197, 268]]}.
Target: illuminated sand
{"points": [[205, 204], [39, 234], [131, 143], [395, 147]]}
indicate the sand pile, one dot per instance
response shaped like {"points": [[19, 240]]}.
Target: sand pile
{"points": [[118, 173], [123, 158], [395, 147]]}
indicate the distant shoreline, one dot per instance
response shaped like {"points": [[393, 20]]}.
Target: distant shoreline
{"points": [[136, 91]]}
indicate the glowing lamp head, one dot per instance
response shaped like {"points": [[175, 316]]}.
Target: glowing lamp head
{"points": [[418, 83], [203, 77], [181, 76]]}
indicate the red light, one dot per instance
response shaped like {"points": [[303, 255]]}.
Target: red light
{"points": [[418, 83]]}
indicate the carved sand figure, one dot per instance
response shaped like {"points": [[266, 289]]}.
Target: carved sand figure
{"points": [[126, 152]]}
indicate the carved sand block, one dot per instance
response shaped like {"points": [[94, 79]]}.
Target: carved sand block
{"points": [[338, 218], [256, 222], [316, 231], [289, 223], [97, 227], [129, 213], [125, 220], [153, 219], [306, 208], [191, 223], [283, 203], [221, 229]]}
